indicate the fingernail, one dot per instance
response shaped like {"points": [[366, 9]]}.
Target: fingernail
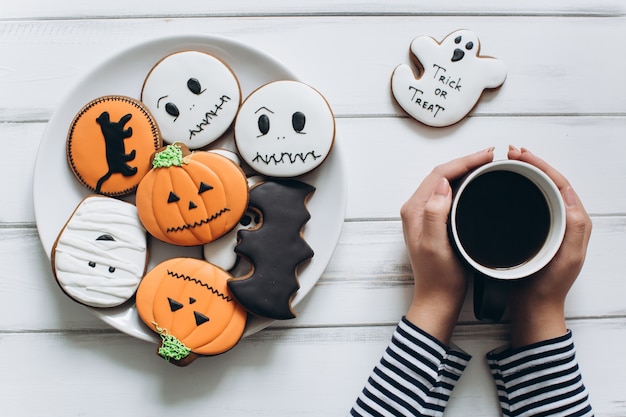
{"points": [[488, 150], [524, 150], [442, 188], [570, 198], [513, 148]]}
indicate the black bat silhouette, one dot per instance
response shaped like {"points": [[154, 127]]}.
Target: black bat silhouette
{"points": [[275, 247]]}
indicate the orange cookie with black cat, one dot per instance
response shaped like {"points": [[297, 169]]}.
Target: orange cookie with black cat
{"points": [[109, 144]]}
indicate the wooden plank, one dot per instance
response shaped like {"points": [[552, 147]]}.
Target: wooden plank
{"points": [[588, 150], [299, 372], [51, 55], [368, 281], [41, 9]]}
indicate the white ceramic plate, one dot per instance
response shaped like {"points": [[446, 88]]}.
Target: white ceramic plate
{"points": [[57, 192]]}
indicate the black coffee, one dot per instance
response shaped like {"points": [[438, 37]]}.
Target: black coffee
{"points": [[502, 219]]}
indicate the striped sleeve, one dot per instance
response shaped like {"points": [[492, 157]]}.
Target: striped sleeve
{"points": [[415, 376], [540, 380]]}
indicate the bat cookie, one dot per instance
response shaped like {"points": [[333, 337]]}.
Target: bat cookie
{"points": [[275, 248], [452, 78]]}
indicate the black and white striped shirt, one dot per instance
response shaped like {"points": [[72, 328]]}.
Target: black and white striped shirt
{"points": [[417, 374]]}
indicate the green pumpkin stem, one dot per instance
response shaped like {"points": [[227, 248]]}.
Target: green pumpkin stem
{"points": [[172, 155], [171, 347]]}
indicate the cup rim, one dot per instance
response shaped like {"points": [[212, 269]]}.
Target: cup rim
{"points": [[557, 210]]}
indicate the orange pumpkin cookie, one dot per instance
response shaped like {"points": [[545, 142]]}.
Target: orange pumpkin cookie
{"points": [[188, 303], [191, 199], [109, 144]]}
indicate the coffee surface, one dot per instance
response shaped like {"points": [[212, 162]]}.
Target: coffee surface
{"points": [[502, 219]]}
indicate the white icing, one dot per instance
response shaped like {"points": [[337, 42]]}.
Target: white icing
{"points": [[201, 93], [448, 89], [284, 129], [101, 273], [221, 252]]}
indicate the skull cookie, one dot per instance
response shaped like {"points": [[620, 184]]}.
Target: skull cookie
{"points": [[101, 254], [194, 97], [284, 129], [453, 77]]}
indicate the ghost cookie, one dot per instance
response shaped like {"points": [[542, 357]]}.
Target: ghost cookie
{"points": [[109, 144], [101, 255], [187, 302], [194, 97], [275, 248], [284, 129], [452, 78], [190, 199]]}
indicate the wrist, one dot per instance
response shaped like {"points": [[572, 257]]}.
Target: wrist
{"points": [[537, 324], [435, 317]]}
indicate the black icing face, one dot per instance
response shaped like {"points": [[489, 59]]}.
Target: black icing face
{"points": [[458, 52], [176, 305], [298, 122], [193, 85], [105, 238]]}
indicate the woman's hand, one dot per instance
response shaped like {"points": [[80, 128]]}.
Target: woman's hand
{"points": [[440, 279], [537, 303]]}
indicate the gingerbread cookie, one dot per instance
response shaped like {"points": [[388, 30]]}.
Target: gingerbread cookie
{"points": [[188, 303], [194, 97], [190, 199], [275, 248], [109, 144], [101, 254], [284, 129], [452, 78]]}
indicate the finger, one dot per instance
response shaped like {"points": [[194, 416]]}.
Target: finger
{"points": [[559, 179], [578, 222], [461, 166], [436, 210]]}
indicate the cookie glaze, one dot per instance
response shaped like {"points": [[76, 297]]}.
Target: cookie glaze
{"points": [[187, 301], [192, 199], [452, 78], [109, 144], [194, 97], [101, 254], [284, 129], [275, 248]]}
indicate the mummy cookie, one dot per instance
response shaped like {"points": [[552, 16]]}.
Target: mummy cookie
{"points": [[284, 129], [452, 78], [194, 97], [187, 302], [275, 248], [101, 255], [109, 144], [189, 198]]}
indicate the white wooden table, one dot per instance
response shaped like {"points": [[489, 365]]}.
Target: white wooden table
{"points": [[564, 98]]}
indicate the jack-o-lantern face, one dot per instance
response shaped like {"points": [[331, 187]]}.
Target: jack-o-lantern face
{"points": [[192, 201], [284, 129], [189, 300]]}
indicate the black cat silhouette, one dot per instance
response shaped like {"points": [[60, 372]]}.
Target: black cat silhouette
{"points": [[114, 134]]}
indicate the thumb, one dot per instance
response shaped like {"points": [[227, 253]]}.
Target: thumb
{"points": [[436, 212]]}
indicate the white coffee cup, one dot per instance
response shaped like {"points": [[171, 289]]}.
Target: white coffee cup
{"points": [[490, 290]]}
